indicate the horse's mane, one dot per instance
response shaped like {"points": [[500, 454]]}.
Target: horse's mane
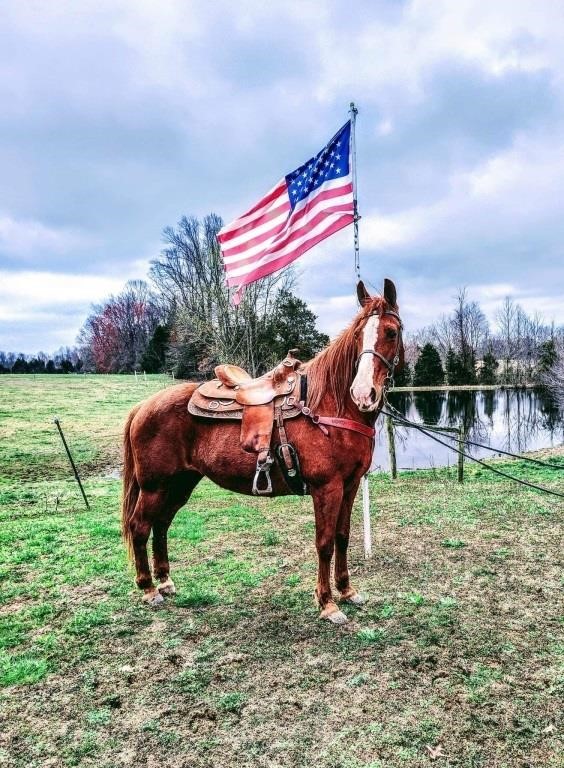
{"points": [[332, 370]]}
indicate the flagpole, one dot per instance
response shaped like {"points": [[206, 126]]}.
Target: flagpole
{"points": [[353, 111]]}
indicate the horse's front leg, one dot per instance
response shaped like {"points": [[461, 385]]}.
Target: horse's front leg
{"points": [[327, 502], [342, 579]]}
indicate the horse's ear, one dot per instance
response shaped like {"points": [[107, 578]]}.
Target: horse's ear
{"points": [[390, 293], [362, 293]]}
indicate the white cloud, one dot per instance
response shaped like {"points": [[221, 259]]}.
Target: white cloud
{"points": [[42, 310], [19, 237], [25, 292], [248, 110]]}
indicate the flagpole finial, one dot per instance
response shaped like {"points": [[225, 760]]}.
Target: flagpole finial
{"points": [[353, 109]]}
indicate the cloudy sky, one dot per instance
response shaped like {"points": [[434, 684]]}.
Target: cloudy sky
{"points": [[118, 117]]}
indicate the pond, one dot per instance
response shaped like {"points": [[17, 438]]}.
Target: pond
{"points": [[514, 420]]}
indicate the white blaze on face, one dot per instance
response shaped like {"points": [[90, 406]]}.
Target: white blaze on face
{"points": [[363, 384]]}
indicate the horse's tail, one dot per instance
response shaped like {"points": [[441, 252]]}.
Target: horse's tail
{"points": [[130, 485]]}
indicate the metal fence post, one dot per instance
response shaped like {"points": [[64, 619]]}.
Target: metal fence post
{"points": [[73, 465]]}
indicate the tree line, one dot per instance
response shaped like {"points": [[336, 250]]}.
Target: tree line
{"points": [[65, 360], [461, 348], [182, 320]]}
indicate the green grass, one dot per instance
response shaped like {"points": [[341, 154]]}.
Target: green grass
{"points": [[459, 649]]}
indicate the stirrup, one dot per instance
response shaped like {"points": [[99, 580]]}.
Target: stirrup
{"points": [[263, 468]]}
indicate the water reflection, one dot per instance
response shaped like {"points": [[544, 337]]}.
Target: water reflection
{"points": [[511, 419]]}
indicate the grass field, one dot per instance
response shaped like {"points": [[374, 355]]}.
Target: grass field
{"points": [[457, 660]]}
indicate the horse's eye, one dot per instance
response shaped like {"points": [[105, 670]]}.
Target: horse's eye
{"points": [[391, 334]]}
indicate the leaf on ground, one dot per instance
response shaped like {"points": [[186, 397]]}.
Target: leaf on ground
{"points": [[435, 752]]}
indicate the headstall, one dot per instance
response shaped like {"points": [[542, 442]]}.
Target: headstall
{"points": [[390, 364]]}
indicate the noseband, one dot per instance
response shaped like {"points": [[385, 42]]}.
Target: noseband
{"points": [[390, 364]]}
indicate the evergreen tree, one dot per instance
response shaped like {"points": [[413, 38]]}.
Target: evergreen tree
{"points": [[460, 370], [489, 368], [548, 356], [154, 357], [453, 368], [291, 325], [66, 366], [428, 368], [20, 366], [402, 377], [469, 370]]}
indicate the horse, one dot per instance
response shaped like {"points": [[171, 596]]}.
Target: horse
{"points": [[167, 451]]}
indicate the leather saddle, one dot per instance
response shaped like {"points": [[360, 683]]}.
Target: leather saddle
{"points": [[258, 403]]}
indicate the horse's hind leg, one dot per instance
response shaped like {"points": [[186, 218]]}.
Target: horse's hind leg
{"points": [[178, 495], [146, 509]]}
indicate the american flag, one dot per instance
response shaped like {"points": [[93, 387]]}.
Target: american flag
{"points": [[306, 206]]}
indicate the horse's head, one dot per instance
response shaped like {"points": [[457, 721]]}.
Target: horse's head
{"points": [[380, 346]]}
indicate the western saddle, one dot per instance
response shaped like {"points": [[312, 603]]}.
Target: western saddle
{"points": [[258, 403]]}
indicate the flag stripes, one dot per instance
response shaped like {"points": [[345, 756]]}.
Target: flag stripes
{"points": [[305, 207]]}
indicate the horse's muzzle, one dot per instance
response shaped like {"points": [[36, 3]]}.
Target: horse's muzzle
{"points": [[367, 401]]}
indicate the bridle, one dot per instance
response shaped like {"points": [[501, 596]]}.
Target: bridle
{"points": [[390, 364]]}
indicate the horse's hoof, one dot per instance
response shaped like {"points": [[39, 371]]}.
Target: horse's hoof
{"points": [[167, 587], [355, 598], [153, 598], [333, 614], [337, 618]]}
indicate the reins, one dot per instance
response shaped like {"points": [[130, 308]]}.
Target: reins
{"points": [[398, 417]]}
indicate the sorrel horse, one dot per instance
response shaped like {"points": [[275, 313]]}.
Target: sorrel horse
{"points": [[167, 451]]}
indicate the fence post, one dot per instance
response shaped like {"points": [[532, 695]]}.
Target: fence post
{"points": [[366, 518], [391, 446], [461, 438], [73, 465]]}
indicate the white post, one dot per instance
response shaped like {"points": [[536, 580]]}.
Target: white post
{"points": [[135, 372], [366, 518]]}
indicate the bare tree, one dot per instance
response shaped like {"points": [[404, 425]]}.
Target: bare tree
{"points": [[115, 336], [506, 321], [207, 328], [470, 328], [553, 379], [442, 334]]}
